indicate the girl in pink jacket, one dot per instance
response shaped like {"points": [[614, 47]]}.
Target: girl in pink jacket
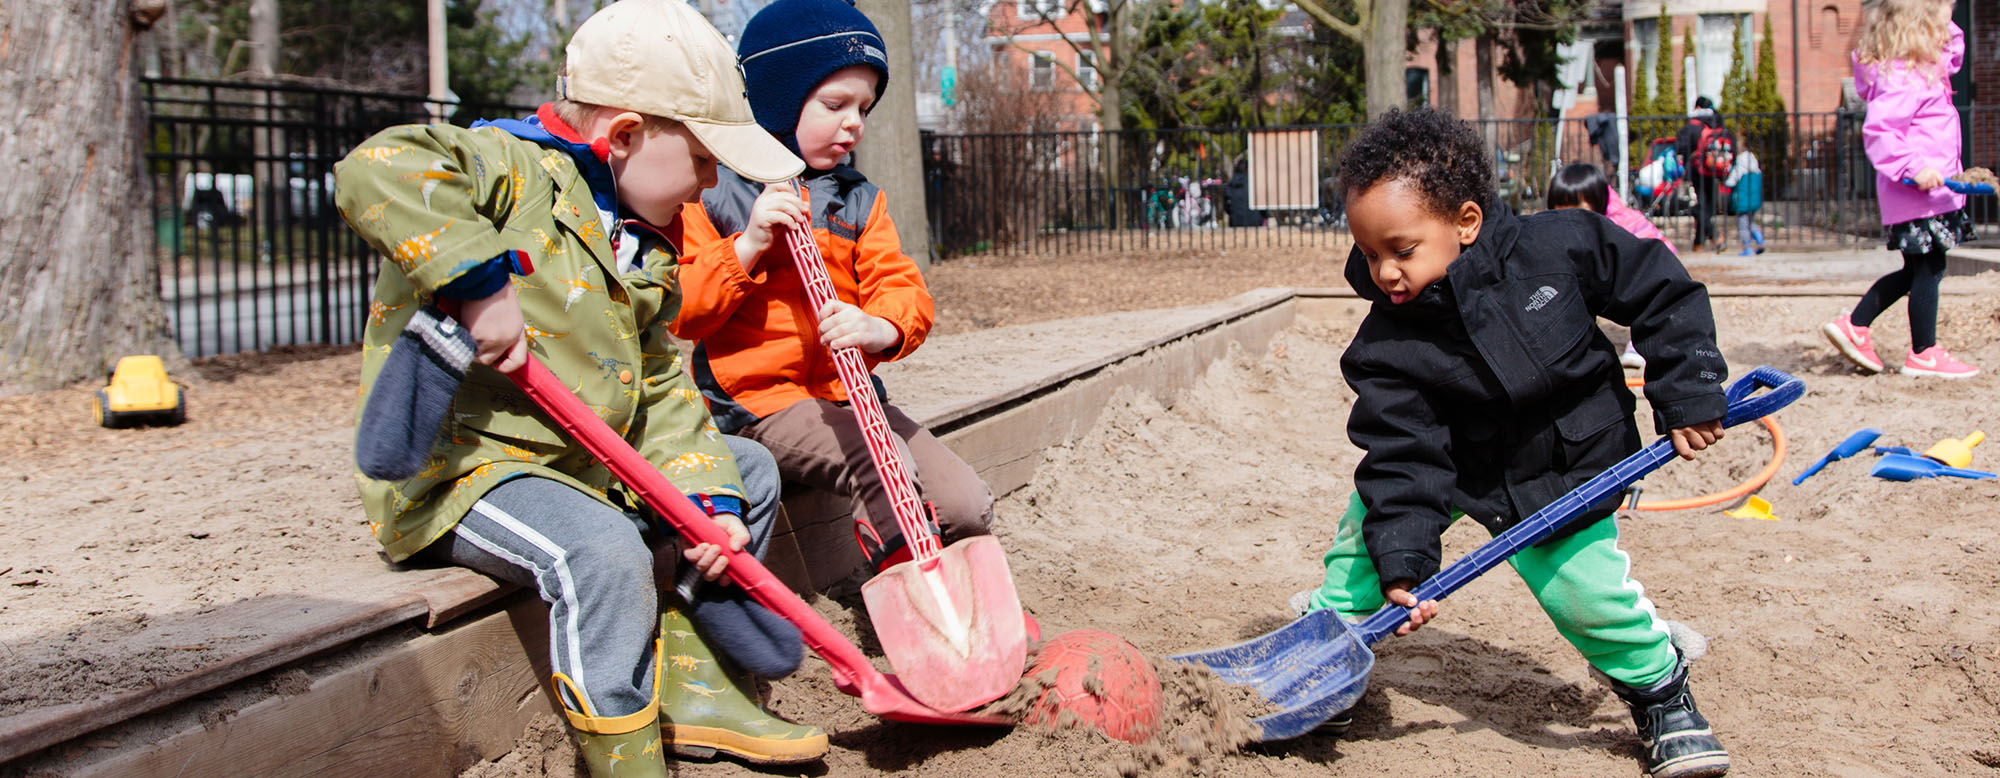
{"points": [[1904, 55]]}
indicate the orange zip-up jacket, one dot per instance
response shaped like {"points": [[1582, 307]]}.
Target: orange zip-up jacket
{"points": [[757, 349]]}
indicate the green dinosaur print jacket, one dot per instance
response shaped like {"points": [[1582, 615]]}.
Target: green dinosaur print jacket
{"points": [[437, 201]]}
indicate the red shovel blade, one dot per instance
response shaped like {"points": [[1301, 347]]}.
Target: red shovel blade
{"points": [[943, 671]]}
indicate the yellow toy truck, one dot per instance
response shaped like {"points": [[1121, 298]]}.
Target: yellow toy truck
{"points": [[140, 393]]}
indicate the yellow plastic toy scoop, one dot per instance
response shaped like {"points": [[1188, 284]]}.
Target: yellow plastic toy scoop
{"points": [[1956, 452], [1753, 508]]}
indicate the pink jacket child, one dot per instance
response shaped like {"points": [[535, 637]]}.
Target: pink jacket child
{"points": [[1912, 125], [1633, 221]]}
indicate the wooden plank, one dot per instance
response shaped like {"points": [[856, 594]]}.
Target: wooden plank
{"points": [[272, 631], [456, 591], [428, 708], [783, 557], [822, 535]]}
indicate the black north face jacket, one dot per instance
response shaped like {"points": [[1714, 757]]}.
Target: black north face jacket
{"points": [[1493, 392]]}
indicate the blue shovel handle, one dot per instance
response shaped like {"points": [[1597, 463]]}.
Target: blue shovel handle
{"points": [[1743, 407], [1960, 187]]}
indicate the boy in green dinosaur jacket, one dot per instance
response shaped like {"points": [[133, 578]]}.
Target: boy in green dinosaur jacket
{"points": [[586, 192]]}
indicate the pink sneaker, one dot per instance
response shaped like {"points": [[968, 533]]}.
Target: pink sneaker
{"points": [[1853, 342], [1935, 361]]}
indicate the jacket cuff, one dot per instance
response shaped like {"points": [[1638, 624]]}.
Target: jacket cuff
{"points": [[905, 343], [736, 276], [717, 504], [1398, 565], [486, 278], [1689, 412]]}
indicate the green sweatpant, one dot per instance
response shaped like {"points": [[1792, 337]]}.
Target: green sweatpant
{"points": [[1581, 582]]}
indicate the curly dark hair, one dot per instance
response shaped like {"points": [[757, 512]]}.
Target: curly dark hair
{"points": [[1440, 154]]}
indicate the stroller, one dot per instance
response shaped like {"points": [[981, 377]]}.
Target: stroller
{"points": [[1659, 182]]}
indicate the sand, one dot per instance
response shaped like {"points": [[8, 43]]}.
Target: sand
{"points": [[1853, 637]]}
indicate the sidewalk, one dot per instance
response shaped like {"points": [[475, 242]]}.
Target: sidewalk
{"points": [[1830, 267]]}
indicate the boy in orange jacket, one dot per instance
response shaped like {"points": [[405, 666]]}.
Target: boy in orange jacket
{"points": [[813, 69]]}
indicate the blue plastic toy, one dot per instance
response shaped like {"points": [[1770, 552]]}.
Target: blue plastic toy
{"points": [[1318, 665], [1847, 448], [1909, 467], [1960, 187]]}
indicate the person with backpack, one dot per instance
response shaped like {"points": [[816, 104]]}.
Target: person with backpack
{"points": [[1746, 198], [1709, 150]]}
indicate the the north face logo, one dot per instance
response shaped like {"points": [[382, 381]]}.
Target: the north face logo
{"points": [[1541, 298]]}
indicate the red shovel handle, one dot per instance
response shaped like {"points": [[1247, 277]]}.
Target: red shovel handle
{"points": [[888, 458], [850, 667]]}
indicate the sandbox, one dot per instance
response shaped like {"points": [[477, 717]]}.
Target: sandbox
{"points": [[1170, 477]]}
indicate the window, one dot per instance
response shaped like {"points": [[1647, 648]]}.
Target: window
{"points": [[1417, 86], [1714, 34], [1829, 25], [1043, 74], [1645, 47], [1086, 69], [1036, 9]]}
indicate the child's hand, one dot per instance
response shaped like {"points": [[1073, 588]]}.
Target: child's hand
{"points": [[844, 326], [778, 208], [1399, 595], [1929, 178], [1688, 440], [495, 323], [708, 558]]}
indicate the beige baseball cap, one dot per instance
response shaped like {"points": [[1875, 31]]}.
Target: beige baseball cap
{"points": [[661, 58]]}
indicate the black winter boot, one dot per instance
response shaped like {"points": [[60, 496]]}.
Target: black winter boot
{"points": [[1677, 740]]}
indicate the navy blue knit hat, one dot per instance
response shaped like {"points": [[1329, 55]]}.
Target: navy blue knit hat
{"points": [[792, 45]]}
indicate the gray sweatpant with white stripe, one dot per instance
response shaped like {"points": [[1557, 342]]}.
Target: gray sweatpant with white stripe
{"points": [[594, 566]]}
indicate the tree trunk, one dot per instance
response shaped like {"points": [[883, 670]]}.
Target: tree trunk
{"points": [[78, 283], [1447, 74], [1387, 24], [892, 156], [1111, 109]]}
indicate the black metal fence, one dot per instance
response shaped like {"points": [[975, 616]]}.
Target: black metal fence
{"points": [[1199, 188], [252, 253]]}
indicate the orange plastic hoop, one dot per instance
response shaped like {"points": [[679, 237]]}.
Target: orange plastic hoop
{"points": [[1753, 483]]}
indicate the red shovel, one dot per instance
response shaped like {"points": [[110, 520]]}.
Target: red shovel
{"points": [[881, 695], [949, 619]]}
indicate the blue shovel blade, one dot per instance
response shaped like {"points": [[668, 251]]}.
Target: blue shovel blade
{"points": [[1311, 669]]}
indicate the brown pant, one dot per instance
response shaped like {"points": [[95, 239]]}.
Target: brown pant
{"points": [[818, 444]]}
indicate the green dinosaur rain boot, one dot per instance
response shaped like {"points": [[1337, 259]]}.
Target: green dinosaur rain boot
{"points": [[705, 709], [618, 746]]}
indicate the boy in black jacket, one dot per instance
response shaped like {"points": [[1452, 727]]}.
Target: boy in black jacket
{"points": [[1484, 388]]}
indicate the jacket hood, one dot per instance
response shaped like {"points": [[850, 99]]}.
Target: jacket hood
{"points": [[1481, 262], [547, 129]]}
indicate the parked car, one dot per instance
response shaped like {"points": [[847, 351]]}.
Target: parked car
{"points": [[227, 199]]}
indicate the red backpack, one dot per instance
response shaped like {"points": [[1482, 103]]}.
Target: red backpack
{"points": [[1715, 152]]}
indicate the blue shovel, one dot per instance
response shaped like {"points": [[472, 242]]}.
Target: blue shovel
{"points": [[1909, 467], [1847, 448], [1318, 666]]}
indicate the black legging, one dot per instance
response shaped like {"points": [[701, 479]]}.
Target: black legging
{"points": [[1705, 231], [1919, 279]]}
